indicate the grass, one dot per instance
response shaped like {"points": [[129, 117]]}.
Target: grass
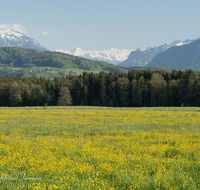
{"points": [[100, 148], [51, 74], [81, 70], [14, 68], [194, 109]]}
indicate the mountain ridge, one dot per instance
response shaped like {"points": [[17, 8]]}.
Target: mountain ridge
{"points": [[112, 55], [183, 57], [10, 37], [140, 57]]}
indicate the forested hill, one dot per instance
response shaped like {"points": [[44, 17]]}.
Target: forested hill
{"points": [[21, 57]]}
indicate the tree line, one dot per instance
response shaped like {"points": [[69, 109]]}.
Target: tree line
{"points": [[134, 88]]}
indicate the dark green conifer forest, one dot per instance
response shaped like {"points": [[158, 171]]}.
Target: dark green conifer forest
{"points": [[134, 88]]}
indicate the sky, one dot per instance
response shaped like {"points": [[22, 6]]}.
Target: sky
{"points": [[103, 24]]}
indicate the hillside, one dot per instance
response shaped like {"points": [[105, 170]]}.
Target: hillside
{"points": [[20, 57], [182, 57], [15, 61]]}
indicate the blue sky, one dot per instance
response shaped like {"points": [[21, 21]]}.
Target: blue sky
{"points": [[103, 24]]}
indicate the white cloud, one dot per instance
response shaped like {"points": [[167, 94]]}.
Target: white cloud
{"points": [[17, 27], [45, 33], [3, 26]]}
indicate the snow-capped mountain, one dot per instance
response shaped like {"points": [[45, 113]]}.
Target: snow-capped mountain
{"points": [[10, 37], [143, 57], [112, 55]]}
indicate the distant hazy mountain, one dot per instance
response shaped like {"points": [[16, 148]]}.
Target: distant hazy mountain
{"points": [[10, 37], [113, 55], [143, 57], [183, 57]]}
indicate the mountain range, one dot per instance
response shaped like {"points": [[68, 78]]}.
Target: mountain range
{"points": [[143, 57], [10, 37], [183, 57], [113, 55], [125, 57]]}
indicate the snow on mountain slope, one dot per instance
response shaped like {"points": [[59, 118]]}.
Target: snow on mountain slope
{"points": [[143, 57], [182, 57], [10, 37], [112, 55]]}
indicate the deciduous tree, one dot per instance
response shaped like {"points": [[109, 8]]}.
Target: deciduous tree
{"points": [[65, 97]]}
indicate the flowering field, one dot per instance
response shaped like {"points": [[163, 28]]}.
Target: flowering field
{"points": [[99, 149]]}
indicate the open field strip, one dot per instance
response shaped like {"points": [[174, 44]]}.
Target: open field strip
{"points": [[93, 148]]}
